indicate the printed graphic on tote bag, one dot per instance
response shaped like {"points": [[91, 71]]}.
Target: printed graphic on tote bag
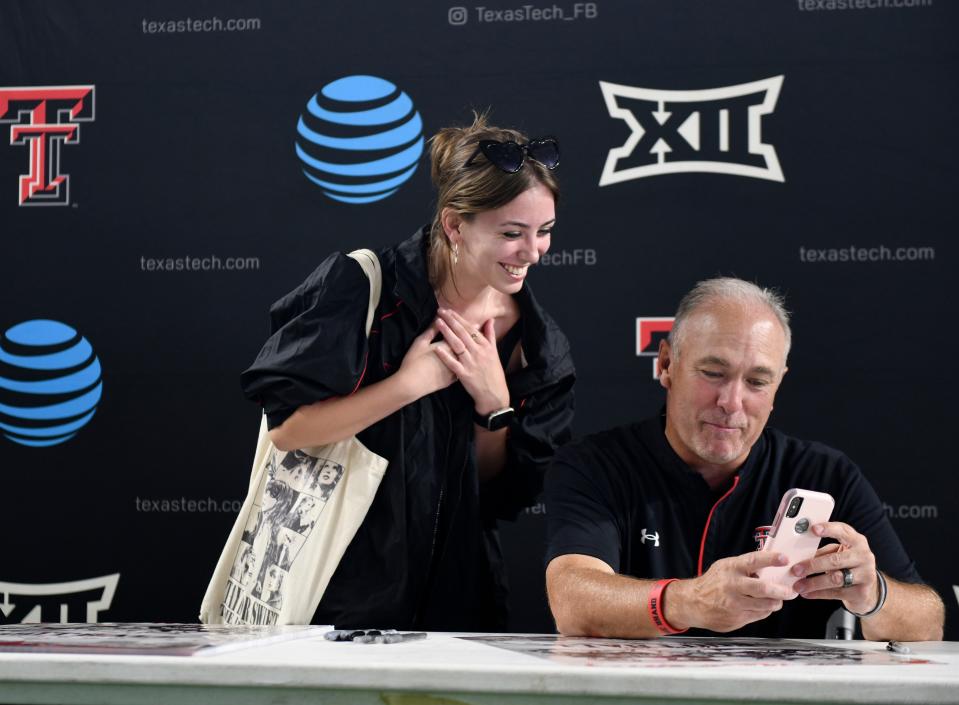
{"points": [[297, 488]]}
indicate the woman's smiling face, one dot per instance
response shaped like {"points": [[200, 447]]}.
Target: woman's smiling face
{"points": [[497, 247]]}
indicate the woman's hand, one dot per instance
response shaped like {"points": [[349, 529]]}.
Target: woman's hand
{"points": [[471, 355], [423, 369]]}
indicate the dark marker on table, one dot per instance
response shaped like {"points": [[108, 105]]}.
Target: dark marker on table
{"points": [[397, 638], [372, 636], [343, 634], [898, 648]]}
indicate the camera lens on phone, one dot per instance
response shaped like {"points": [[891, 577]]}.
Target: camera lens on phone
{"points": [[794, 506]]}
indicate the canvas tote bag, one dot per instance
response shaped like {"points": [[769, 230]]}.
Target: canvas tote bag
{"points": [[302, 510]]}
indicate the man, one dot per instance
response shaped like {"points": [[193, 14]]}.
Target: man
{"points": [[651, 524]]}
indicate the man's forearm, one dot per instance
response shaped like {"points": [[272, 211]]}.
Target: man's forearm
{"points": [[587, 602], [911, 613], [588, 598]]}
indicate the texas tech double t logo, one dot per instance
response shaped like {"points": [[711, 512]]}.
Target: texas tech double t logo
{"points": [[45, 118], [717, 130]]}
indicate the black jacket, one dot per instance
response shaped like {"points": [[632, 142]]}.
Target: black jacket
{"points": [[427, 555]]}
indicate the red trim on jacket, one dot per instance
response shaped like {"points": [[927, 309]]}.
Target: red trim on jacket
{"points": [[394, 311], [366, 360], [702, 542]]}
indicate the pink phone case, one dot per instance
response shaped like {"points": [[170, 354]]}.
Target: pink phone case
{"points": [[792, 535]]}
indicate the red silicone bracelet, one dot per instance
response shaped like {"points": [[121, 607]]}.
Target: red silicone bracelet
{"points": [[656, 612]]}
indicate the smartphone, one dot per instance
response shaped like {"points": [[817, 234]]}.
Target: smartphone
{"points": [[791, 532]]}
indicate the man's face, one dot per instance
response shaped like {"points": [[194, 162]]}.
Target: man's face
{"points": [[721, 387]]}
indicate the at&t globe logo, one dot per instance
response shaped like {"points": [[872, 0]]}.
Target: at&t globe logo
{"points": [[359, 139], [49, 383]]}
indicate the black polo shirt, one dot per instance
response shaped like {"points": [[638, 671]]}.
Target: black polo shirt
{"points": [[625, 497]]}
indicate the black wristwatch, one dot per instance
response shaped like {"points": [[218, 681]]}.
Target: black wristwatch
{"points": [[495, 420]]}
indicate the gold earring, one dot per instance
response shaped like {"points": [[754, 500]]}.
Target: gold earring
{"points": [[456, 255]]}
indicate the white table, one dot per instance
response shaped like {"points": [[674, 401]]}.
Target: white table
{"points": [[446, 669]]}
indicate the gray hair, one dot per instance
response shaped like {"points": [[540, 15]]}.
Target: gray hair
{"points": [[726, 289]]}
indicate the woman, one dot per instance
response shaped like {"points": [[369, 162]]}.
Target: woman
{"points": [[458, 344], [326, 479]]}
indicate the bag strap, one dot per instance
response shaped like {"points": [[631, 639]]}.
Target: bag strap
{"points": [[371, 268]]}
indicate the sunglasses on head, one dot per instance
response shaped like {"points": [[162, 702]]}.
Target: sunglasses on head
{"points": [[509, 156]]}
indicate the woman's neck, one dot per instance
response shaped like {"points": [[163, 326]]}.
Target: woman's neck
{"points": [[474, 303]]}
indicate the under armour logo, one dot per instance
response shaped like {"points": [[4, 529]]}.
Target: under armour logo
{"points": [[717, 130], [654, 537]]}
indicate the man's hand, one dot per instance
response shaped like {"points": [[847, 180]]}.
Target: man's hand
{"points": [[728, 595], [852, 553]]}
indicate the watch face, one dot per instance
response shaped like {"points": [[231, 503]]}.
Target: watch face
{"points": [[500, 419]]}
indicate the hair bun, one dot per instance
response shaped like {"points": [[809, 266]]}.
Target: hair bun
{"points": [[468, 190]]}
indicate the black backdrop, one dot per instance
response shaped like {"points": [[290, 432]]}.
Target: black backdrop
{"points": [[185, 161]]}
